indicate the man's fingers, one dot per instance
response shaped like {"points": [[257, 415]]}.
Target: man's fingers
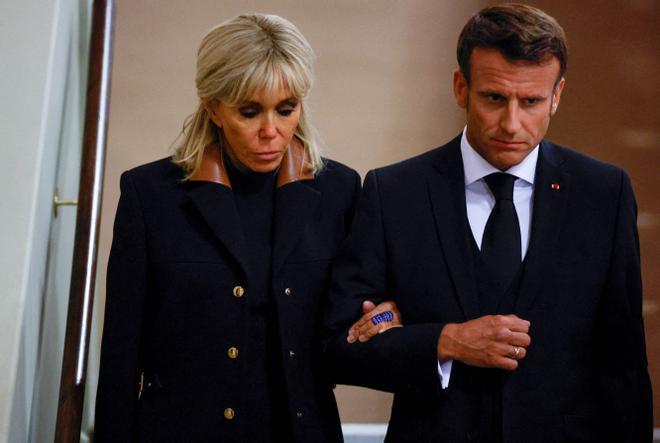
{"points": [[512, 352], [375, 330], [353, 333], [366, 328], [518, 353], [365, 320], [367, 306], [507, 364], [369, 310], [364, 323], [513, 322], [519, 339], [365, 335], [493, 341]]}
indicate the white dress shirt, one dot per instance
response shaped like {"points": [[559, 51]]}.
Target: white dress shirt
{"points": [[480, 201]]}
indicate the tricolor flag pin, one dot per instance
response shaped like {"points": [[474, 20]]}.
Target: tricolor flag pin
{"points": [[555, 186]]}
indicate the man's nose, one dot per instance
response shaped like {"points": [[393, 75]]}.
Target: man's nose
{"points": [[510, 120], [268, 128]]}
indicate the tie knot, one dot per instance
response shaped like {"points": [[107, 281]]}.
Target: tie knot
{"points": [[501, 185]]}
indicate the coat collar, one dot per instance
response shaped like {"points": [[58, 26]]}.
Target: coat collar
{"points": [[294, 166], [294, 204]]}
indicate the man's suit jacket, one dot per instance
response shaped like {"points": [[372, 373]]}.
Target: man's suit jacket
{"points": [[585, 375], [178, 293]]}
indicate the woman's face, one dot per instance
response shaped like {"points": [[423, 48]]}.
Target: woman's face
{"points": [[259, 130]]}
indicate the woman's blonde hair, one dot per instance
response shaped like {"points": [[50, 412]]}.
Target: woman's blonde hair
{"points": [[235, 60]]}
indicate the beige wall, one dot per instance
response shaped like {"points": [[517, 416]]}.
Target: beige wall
{"points": [[383, 93]]}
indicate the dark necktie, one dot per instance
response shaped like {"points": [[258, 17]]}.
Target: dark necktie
{"points": [[500, 246]]}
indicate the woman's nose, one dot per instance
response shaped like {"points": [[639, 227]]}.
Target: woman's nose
{"points": [[268, 128]]}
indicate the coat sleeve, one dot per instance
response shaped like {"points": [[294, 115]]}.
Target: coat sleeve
{"points": [[117, 395], [623, 379], [400, 358]]}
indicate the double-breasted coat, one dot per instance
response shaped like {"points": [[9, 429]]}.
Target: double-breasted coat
{"points": [[177, 289]]}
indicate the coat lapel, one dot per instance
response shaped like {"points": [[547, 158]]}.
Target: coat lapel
{"points": [[216, 204], [295, 204], [446, 186], [551, 191]]}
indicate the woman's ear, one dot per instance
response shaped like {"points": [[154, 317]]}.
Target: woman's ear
{"points": [[211, 107]]}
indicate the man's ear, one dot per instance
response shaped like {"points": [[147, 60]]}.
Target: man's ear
{"points": [[461, 89], [556, 96]]}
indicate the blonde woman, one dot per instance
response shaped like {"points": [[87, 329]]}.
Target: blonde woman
{"points": [[220, 259]]}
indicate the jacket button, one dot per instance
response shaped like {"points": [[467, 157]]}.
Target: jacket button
{"points": [[287, 291], [238, 291], [232, 352], [299, 414], [229, 414], [292, 353]]}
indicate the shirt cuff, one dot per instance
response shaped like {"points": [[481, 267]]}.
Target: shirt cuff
{"points": [[444, 371]]}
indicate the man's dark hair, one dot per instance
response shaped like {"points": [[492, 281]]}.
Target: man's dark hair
{"points": [[519, 32]]}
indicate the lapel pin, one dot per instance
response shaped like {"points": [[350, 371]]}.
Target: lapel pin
{"points": [[555, 186]]}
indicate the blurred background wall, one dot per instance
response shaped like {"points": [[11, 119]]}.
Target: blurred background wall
{"points": [[383, 93]]}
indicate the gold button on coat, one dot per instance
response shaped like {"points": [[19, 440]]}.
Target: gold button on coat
{"points": [[238, 291], [287, 291], [229, 414], [232, 352]]}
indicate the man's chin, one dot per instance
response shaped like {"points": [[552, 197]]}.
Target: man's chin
{"points": [[508, 160]]}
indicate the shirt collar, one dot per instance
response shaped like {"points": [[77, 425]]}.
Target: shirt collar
{"points": [[476, 167]]}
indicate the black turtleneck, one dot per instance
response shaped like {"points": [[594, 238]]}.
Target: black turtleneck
{"points": [[265, 394]]}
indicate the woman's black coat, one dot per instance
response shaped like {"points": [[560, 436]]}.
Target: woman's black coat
{"points": [[177, 289]]}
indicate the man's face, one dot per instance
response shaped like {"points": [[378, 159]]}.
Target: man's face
{"points": [[509, 104]]}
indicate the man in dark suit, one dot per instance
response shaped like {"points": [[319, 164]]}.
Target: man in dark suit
{"points": [[514, 263]]}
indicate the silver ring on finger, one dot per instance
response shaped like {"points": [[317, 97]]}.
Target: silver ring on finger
{"points": [[516, 352]]}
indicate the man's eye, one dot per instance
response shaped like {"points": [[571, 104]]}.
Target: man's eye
{"points": [[494, 98], [531, 101]]}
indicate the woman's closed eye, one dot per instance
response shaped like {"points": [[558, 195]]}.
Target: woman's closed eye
{"points": [[286, 111], [249, 111]]}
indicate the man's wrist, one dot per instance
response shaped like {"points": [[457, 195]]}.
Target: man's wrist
{"points": [[444, 351]]}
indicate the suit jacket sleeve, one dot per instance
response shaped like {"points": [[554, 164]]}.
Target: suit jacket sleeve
{"points": [[620, 347], [400, 358], [117, 395]]}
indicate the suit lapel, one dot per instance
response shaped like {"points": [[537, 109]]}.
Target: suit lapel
{"points": [[216, 204], [446, 187], [551, 191], [295, 203]]}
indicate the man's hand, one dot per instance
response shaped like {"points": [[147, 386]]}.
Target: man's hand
{"points": [[492, 341], [366, 327]]}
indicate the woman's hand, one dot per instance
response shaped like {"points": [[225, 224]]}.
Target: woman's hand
{"points": [[376, 320]]}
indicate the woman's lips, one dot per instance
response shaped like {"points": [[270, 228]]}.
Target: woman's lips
{"points": [[267, 156]]}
